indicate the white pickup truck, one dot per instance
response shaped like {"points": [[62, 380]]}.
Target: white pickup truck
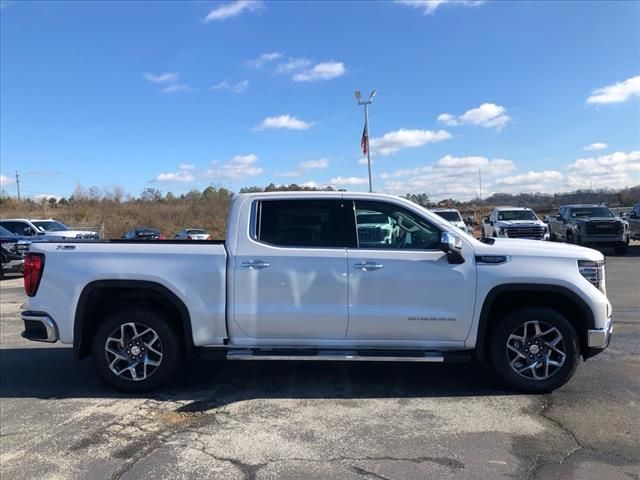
{"points": [[299, 278]]}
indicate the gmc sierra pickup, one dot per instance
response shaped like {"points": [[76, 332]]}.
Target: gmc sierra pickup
{"points": [[593, 225], [322, 276]]}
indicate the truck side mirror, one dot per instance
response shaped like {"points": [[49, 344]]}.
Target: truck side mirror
{"points": [[452, 246], [633, 215], [545, 219], [485, 220], [558, 217]]}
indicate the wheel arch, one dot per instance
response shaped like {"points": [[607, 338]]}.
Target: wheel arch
{"points": [[101, 297], [508, 297]]}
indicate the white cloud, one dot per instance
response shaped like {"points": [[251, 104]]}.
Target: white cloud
{"points": [[349, 181], [232, 9], [530, 178], [240, 166], [616, 93], [595, 146], [447, 177], [488, 115], [187, 166], [304, 167], [239, 87], [309, 184], [264, 59], [284, 121], [615, 170], [293, 65], [4, 181], [314, 164], [176, 87], [430, 6], [321, 71], [182, 176], [396, 140], [167, 77]]}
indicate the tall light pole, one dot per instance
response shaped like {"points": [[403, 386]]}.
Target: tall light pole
{"points": [[365, 134]]}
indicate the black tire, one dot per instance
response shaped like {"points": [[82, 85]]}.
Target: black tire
{"points": [[621, 250], [514, 322], [570, 237], [169, 345], [553, 237]]}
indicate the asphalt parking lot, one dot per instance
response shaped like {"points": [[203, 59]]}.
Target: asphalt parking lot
{"points": [[252, 420]]}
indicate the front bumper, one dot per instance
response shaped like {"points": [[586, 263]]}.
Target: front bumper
{"points": [[39, 327], [604, 240], [598, 339], [16, 265]]}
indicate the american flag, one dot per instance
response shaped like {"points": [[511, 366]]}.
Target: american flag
{"points": [[365, 141]]}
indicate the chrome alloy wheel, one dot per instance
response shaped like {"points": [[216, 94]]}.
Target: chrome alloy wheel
{"points": [[536, 350], [133, 351]]}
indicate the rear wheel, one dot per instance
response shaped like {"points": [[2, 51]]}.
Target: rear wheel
{"points": [[535, 349], [136, 350]]}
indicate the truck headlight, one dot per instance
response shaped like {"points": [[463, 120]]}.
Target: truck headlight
{"points": [[594, 272]]}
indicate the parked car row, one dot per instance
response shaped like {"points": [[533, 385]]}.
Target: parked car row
{"points": [[148, 233]]}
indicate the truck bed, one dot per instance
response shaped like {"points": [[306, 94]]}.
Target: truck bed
{"points": [[194, 271]]}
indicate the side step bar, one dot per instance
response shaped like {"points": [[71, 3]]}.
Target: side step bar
{"points": [[337, 355]]}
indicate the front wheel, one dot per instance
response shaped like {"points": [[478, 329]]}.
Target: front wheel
{"points": [[136, 350], [535, 349]]}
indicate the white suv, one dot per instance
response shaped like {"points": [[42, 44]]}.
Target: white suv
{"points": [[48, 227]]}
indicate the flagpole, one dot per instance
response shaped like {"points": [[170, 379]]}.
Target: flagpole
{"points": [[366, 128]]}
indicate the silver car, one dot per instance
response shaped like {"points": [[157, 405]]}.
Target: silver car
{"points": [[193, 234]]}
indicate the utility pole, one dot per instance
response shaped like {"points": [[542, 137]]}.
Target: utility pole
{"points": [[18, 184], [480, 192], [366, 128]]}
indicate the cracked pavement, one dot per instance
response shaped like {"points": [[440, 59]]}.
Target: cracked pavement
{"points": [[289, 420]]}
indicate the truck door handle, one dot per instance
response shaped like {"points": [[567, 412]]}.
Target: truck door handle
{"points": [[368, 266], [255, 264]]}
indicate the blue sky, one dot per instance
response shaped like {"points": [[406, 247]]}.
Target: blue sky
{"points": [[541, 96]]}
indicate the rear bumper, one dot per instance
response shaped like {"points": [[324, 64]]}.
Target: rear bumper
{"points": [[39, 327]]}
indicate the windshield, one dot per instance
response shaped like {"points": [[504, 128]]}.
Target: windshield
{"points": [[196, 232], [368, 218], [6, 233], [450, 216], [591, 212], [51, 226], [509, 215]]}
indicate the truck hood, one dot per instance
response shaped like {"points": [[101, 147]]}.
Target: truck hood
{"points": [[536, 248], [597, 219], [518, 223], [66, 234]]}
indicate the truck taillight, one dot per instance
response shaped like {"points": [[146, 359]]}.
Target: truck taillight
{"points": [[33, 268]]}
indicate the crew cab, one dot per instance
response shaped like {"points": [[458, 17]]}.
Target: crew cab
{"points": [[593, 225], [514, 222], [297, 278], [48, 227]]}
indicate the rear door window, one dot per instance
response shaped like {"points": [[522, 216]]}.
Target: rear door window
{"points": [[305, 223]]}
